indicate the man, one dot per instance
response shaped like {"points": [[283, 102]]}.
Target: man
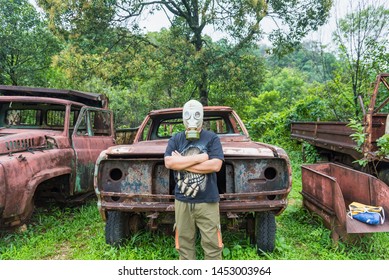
{"points": [[196, 155]]}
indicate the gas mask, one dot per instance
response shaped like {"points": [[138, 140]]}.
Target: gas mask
{"points": [[192, 116]]}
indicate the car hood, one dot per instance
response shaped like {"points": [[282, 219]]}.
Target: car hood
{"points": [[16, 140], [156, 148]]}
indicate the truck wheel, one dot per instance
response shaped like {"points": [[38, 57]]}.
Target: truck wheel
{"points": [[117, 228], [265, 232]]}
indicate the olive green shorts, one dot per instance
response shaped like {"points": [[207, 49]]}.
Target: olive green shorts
{"points": [[205, 217]]}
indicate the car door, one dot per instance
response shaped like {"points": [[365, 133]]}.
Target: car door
{"points": [[92, 134]]}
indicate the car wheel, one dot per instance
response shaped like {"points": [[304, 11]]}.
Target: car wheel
{"points": [[117, 228], [265, 232]]}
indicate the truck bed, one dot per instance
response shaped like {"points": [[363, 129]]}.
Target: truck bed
{"points": [[334, 136], [328, 189]]}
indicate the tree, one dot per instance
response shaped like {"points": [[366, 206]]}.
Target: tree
{"points": [[236, 78], [87, 24], [286, 96], [238, 19], [362, 39], [283, 87], [26, 44], [310, 58]]}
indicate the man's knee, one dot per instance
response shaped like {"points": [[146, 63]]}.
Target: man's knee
{"points": [[185, 243]]}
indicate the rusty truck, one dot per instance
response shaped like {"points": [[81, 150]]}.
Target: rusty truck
{"points": [[49, 142], [136, 191], [329, 187]]}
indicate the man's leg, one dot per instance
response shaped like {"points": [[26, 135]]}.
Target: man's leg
{"points": [[185, 231], [208, 221]]}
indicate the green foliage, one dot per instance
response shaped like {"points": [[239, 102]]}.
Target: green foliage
{"points": [[362, 39], [102, 31], [309, 58], [129, 107], [300, 17], [86, 23], [26, 44], [358, 136], [310, 153], [338, 94], [282, 87], [383, 145], [237, 78], [287, 98]]}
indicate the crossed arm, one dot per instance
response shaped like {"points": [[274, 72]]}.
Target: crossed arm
{"points": [[199, 163]]}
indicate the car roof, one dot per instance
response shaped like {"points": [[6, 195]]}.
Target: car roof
{"points": [[87, 98], [179, 110]]}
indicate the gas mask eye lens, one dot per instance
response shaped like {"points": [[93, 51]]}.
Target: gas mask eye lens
{"points": [[197, 115], [186, 115]]}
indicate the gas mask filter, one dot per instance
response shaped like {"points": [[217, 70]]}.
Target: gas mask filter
{"points": [[192, 116]]}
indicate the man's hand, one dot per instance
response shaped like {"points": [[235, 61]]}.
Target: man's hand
{"points": [[176, 154]]}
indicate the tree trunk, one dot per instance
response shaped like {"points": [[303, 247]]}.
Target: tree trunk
{"points": [[203, 87], [203, 82]]}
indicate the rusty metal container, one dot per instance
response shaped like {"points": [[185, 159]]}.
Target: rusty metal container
{"points": [[329, 188]]}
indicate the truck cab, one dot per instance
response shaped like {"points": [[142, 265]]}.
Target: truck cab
{"points": [[49, 142]]}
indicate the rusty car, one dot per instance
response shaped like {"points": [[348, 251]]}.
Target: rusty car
{"points": [[49, 142], [329, 187], [136, 191]]}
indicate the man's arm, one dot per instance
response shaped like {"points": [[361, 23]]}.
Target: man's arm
{"points": [[178, 162], [208, 166]]}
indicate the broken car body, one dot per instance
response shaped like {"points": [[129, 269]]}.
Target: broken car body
{"points": [[49, 142], [133, 185]]}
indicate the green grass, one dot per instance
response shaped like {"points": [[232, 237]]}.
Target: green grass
{"points": [[78, 234]]}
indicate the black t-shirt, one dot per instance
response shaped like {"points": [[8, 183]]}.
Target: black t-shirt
{"points": [[208, 143]]}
